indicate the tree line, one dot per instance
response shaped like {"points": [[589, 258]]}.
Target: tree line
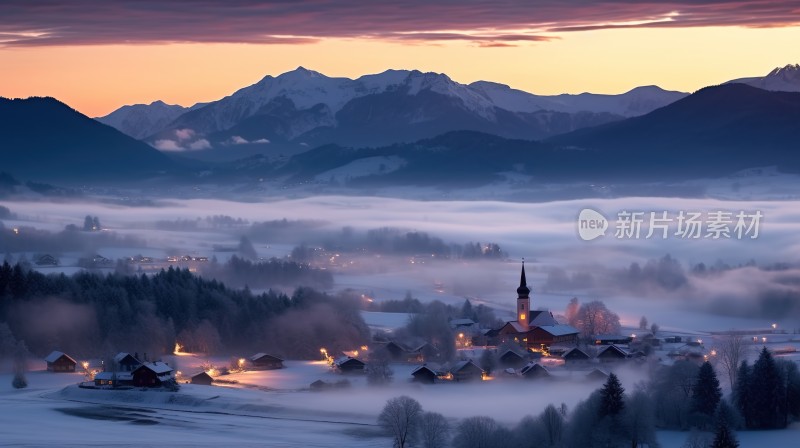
{"points": [[91, 315]]}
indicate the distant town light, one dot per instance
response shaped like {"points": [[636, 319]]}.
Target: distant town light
{"points": [[763, 339], [774, 326]]}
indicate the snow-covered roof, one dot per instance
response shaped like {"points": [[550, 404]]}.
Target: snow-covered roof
{"points": [[345, 359], [559, 330], [258, 356], [541, 318], [512, 352], [534, 366], [423, 367], [462, 322], [575, 350], [612, 347], [122, 355], [159, 368], [53, 357], [457, 367]]}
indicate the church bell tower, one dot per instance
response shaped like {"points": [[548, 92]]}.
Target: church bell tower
{"points": [[523, 301]]}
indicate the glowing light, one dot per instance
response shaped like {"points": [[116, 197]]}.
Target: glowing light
{"points": [[774, 326], [241, 363], [763, 339], [713, 353], [85, 365], [522, 316], [364, 348], [461, 335], [16, 231]]}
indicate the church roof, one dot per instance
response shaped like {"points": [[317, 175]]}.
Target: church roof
{"points": [[559, 330], [523, 289], [540, 318]]}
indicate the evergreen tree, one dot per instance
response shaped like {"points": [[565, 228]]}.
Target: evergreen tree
{"points": [[466, 310], [706, 392], [724, 438], [612, 397], [742, 394], [767, 393]]}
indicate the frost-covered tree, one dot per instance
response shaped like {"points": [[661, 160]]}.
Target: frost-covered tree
{"points": [[731, 350], [552, 423], [401, 418], [639, 419], [594, 318], [643, 323]]}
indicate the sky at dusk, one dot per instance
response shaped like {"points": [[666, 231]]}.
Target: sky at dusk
{"points": [[98, 56]]}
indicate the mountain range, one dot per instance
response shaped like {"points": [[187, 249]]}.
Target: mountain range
{"points": [[306, 107], [46, 140], [424, 129]]}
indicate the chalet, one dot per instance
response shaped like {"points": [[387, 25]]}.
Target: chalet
{"points": [[609, 339], [397, 351], [425, 352], [202, 378], [511, 359], [611, 353], [597, 375], [151, 374], [264, 361], [107, 379], [538, 329], [466, 371], [575, 356], [126, 362], [348, 364], [60, 362], [424, 374], [534, 370], [47, 260]]}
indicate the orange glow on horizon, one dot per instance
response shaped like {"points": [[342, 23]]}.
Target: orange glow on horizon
{"points": [[99, 79]]}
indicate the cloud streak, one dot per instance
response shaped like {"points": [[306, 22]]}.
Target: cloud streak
{"points": [[482, 22]]}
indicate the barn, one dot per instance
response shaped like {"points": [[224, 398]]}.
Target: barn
{"points": [[202, 378], [126, 362], [151, 374], [612, 353], [511, 359], [424, 374], [348, 364], [466, 371], [534, 371], [575, 356], [264, 361], [60, 362]]}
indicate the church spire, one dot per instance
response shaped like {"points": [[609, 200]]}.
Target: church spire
{"points": [[523, 289]]}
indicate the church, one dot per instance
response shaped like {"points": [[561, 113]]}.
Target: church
{"points": [[536, 330]]}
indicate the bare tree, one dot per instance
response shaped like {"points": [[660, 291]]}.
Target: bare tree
{"points": [[476, 432], [731, 351], [401, 418], [571, 313], [434, 431], [378, 371], [553, 424], [643, 323]]}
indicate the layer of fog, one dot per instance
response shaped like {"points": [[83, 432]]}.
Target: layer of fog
{"points": [[545, 234]]}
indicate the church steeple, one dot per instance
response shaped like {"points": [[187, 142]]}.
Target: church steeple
{"points": [[523, 300]]}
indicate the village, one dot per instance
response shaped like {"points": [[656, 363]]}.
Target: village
{"points": [[536, 346]]}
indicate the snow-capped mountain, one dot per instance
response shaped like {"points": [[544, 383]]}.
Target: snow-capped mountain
{"points": [[304, 106], [781, 79], [142, 120]]}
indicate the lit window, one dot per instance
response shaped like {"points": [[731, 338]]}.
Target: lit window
{"points": [[522, 316]]}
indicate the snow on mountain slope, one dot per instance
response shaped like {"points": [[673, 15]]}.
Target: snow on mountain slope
{"points": [[780, 79], [142, 120], [638, 101]]}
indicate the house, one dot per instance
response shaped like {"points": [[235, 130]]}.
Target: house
{"points": [[424, 374], [319, 385], [512, 359], [535, 330], [264, 361], [60, 362], [549, 335], [126, 362], [575, 356], [348, 364], [107, 379], [151, 374], [611, 353], [534, 370], [202, 378], [396, 351], [466, 371], [424, 352], [597, 375], [47, 260]]}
